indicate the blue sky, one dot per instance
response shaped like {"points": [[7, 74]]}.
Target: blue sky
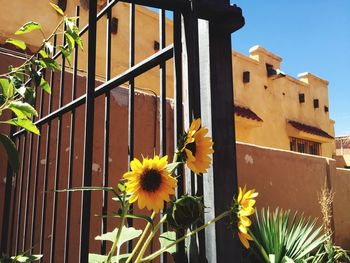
{"points": [[312, 36]]}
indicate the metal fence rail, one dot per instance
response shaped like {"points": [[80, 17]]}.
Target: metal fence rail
{"points": [[34, 215]]}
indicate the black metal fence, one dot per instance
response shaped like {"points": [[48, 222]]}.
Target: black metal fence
{"points": [[201, 53]]}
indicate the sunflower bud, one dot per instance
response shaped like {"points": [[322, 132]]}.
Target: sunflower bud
{"points": [[185, 211]]}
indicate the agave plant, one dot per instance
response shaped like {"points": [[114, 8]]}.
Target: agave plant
{"points": [[282, 238]]}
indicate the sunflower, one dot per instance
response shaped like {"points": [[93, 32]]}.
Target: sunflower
{"points": [[197, 147], [245, 203], [150, 183]]}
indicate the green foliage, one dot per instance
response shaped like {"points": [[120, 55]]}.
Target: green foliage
{"points": [[20, 258], [18, 86], [330, 253], [280, 237], [28, 27], [17, 43], [166, 239], [11, 151], [127, 233], [58, 9]]}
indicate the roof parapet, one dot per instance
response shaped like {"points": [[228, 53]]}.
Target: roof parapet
{"points": [[262, 55], [307, 77]]}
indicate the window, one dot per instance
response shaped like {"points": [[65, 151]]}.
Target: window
{"points": [[304, 146]]}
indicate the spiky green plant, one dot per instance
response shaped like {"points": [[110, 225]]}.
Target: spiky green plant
{"points": [[282, 238]]}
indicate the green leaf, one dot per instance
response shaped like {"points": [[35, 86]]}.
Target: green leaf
{"points": [[121, 187], [24, 107], [43, 53], [22, 90], [58, 9], [48, 48], [7, 88], [128, 233], [29, 95], [96, 258], [24, 258], [11, 151], [45, 86], [87, 188], [28, 27], [132, 216], [66, 53], [70, 41], [166, 239], [69, 24], [24, 123], [36, 76], [17, 80], [172, 166], [18, 43], [51, 63]]}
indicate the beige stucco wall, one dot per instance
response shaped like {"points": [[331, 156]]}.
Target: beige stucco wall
{"points": [[146, 32], [275, 100], [293, 181], [341, 207]]}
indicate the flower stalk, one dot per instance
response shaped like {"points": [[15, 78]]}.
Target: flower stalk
{"points": [[161, 251], [115, 243], [139, 242]]}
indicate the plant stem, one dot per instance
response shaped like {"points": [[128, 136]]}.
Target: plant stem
{"points": [[115, 243], [140, 240], [162, 250], [149, 239]]}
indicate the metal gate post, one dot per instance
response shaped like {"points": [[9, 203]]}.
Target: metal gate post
{"points": [[216, 81]]}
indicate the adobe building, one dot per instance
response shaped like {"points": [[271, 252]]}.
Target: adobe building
{"points": [[276, 110], [272, 108]]}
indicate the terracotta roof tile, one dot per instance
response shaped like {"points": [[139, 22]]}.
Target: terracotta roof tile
{"points": [[309, 129], [246, 113]]}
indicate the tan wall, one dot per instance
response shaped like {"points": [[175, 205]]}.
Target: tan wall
{"points": [[275, 101], [146, 32], [293, 181], [341, 207], [275, 104]]}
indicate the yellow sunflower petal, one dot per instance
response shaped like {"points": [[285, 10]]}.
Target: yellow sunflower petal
{"points": [[243, 240], [135, 165]]}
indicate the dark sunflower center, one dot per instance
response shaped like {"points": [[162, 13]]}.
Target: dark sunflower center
{"points": [[151, 180], [192, 147]]}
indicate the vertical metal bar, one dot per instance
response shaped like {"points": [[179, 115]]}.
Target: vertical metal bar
{"points": [[162, 104], [194, 184], [14, 204], [29, 175], [37, 162], [47, 159], [7, 204], [131, 109], [71, 149], [89, 129], [180, 255], [106, 129], [25, 220], [58, 158], [162, 76], [19, 212]]}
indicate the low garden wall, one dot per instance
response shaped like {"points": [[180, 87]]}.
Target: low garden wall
{"points": [[293, 181]]}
